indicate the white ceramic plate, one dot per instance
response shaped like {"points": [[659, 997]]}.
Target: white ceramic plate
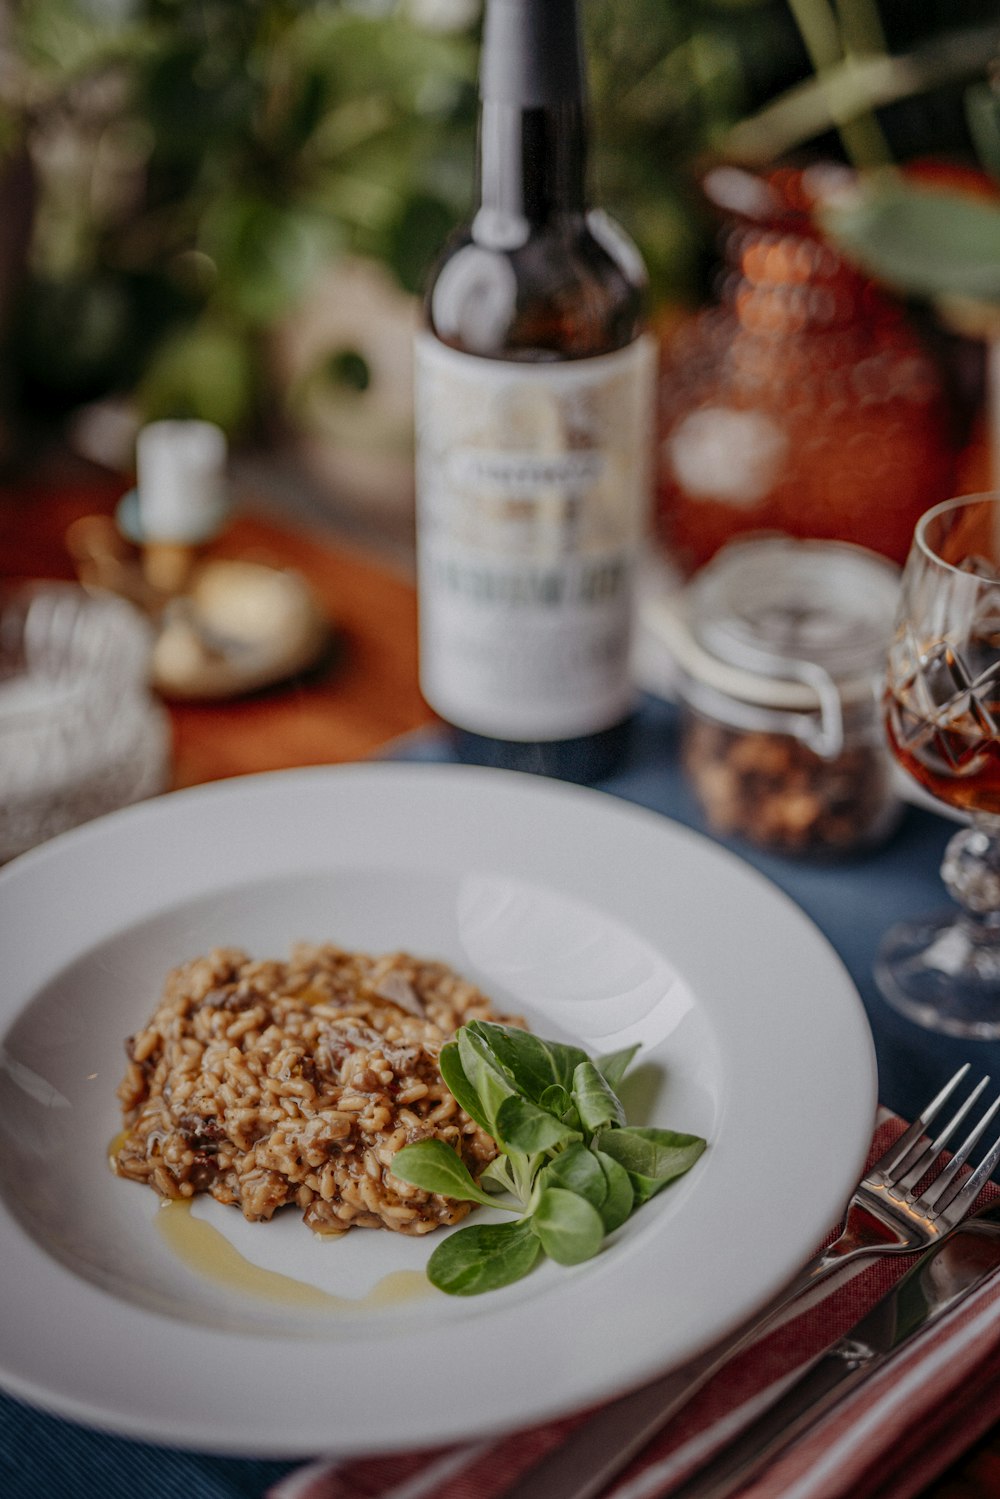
{"points": [[597, 920]]}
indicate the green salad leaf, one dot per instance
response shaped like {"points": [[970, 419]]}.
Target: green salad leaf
{"points": [[615, 1064], [620, 1198], [486, 1075], [530, 1129], [483, 1257], [570, 1228], [536, 1064], [433, 1165], [596, 1101], [569, 1164], [578, 1169], [458, 1085]]}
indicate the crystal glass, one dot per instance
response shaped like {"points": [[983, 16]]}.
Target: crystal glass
{"points": [[942, 713], [80, 733]]}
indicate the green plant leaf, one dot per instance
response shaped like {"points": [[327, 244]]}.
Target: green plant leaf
{"points": [[982, 113], [267, 254], [597, 1104], [569, 1227], [499, 1174], [559, 1101], [656, 1154], [614, 1064], [571, 1193], [533, 1064], [458, 1085], [204, 371], [925, 241], [619, 1198], [483, 1257], [523, 1126], [644, 1187], [435, 1167], [578, 1170], [485, 1073]]}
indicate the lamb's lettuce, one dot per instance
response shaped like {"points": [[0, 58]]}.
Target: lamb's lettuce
{"points": [[569, 1166]]}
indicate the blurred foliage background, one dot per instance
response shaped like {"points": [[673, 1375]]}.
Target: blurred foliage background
{"points": [[178, 176]]}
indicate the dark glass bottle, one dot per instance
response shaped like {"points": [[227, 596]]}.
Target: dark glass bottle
{"points": [[534, 400]]}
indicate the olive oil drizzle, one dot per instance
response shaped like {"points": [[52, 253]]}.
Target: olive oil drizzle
{"points": [[204, 1249]]}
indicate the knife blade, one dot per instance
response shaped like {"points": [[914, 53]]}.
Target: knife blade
{"points": [[610, 1437], [942, 1278]]}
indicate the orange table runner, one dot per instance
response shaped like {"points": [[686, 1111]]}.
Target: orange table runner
{"points": [[364, 695]]}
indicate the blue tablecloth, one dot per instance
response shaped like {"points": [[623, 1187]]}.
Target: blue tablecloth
{"points": [[852, 902]]}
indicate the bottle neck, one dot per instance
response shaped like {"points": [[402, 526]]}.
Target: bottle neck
{"points": [[533, 117], [532, 162]]}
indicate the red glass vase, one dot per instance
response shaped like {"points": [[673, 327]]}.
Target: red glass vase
{"points": [[802, 401]]}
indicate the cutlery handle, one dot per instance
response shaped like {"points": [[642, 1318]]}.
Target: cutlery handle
{"points": [[608, 1440], [599, 1449], [942, 1278], [828, 1381]]}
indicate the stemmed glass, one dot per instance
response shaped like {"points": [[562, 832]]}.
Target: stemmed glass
{"points": [[942, 713]]}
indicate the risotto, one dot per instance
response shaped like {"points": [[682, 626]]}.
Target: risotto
{"points": [[269, 1083]]}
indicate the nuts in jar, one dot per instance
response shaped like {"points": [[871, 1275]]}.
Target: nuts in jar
{"points": [[778, 646], [777, 792]]}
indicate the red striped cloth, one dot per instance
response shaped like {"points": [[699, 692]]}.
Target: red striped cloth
{"points": [[897, 1432]]}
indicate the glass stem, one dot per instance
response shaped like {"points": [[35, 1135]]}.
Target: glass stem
{"points": [[971, 872]]}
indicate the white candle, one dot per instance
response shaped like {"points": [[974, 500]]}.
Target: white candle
{"points": [[180, 470]]}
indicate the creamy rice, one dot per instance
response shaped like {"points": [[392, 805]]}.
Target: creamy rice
{"points": [[266, 1083]]}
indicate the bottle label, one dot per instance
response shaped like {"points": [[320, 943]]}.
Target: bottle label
{"points": [[533, 484]]}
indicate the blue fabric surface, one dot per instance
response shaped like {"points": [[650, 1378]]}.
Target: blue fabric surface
{"points": [[42, 1457], [852, 902]]}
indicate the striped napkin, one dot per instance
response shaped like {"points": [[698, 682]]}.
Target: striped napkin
{"points": [[895, 1434]]}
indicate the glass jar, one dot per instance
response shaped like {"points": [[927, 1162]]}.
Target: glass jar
{"points": [[80, 731], [778, 646]]}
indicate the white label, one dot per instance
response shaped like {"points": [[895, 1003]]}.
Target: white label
{"points": [[532, 500]]}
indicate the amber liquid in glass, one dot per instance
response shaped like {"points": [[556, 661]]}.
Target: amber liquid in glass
{"points": [[953, 752], [535, 279]]}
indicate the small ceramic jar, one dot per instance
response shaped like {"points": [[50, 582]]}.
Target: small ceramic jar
{"points": [[779, 646]]}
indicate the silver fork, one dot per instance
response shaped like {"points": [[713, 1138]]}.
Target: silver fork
{"points": [[884, 1216]]}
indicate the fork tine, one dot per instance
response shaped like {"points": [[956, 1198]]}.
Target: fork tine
{"points": [[899, 1150], [965, 1195], [933, 1149], [937, 1195]]}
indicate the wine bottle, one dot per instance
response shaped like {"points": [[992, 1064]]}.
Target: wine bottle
{"points": [[533, 410]]}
